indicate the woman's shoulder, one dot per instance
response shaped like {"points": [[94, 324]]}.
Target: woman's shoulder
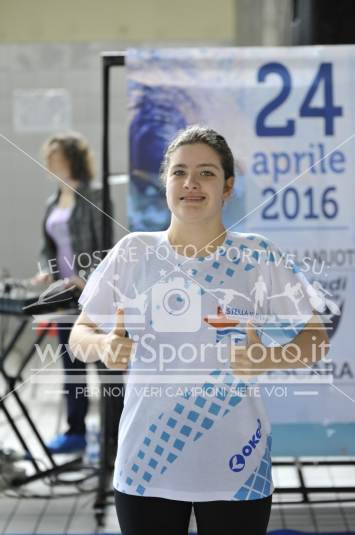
{"points": [[140, 239], [251, 238]]}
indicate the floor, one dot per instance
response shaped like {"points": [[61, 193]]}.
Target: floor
{"points": [[43, 508], [71, 515]]}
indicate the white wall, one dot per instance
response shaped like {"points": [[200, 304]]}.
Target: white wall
{"points": [[24, 185]]}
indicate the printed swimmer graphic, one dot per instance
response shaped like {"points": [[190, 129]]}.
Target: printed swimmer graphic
{"points": [[260, 292]]}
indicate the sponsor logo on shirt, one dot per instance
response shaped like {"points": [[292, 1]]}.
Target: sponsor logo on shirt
{"points": [[237, 462]]}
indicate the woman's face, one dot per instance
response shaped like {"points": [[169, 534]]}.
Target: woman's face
{"points": [[59, 165], [195, 183]]}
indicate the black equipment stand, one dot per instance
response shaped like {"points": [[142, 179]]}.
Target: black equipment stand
{"points": [[12, 386], [111, 406]]}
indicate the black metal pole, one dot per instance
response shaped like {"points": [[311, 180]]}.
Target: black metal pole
{"points": [[109, 59], [108, 405]]}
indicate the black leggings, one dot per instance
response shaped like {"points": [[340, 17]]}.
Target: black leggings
{"points": [[138, 515]]}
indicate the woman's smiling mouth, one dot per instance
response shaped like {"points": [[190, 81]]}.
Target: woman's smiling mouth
{"points": [[193, 198]]}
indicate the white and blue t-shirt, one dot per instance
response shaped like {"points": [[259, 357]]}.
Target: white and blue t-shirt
{"points": [[191, 429]]}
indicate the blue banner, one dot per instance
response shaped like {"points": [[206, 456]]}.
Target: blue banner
{"points": [[288, 115]]}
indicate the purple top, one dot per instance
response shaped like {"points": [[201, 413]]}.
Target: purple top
{"points": [[58, 229]]}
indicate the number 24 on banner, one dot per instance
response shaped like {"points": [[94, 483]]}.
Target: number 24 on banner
{"points": [[328, 111]]}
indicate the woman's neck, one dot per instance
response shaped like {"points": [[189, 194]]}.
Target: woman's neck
{"points": [[67, 193], [202, 238]]}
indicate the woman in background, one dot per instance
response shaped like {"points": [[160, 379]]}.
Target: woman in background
{"points": [[72, 232]]}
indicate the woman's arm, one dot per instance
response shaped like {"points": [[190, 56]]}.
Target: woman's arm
{"points": [[89, 344], [308, 347]]}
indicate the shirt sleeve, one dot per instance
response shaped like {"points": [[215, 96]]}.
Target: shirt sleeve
{"points": [[289, 307], [100, 297]]}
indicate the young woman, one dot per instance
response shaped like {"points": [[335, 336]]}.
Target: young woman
{"points": [[193, 434], [71, 234]]}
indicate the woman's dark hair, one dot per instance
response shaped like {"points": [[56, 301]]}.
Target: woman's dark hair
{"points": [[198, 134], [75, 149]]}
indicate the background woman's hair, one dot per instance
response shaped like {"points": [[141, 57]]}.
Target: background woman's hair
{"points": [[75, 149], [199, 134]]}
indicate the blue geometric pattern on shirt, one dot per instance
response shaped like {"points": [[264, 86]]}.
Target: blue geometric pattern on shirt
{"points": [[190, 419], [255, 254], [259, 484], [263, 244], [221, 333], [235, 260]]}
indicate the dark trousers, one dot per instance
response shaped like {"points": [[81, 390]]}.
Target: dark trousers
{"points": [[76, 399], [138, 515]]}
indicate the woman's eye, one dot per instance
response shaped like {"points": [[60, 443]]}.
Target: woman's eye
{"points": [[181, 172]]}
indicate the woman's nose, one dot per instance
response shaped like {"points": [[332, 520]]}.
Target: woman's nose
{"points": [[191, 182]]}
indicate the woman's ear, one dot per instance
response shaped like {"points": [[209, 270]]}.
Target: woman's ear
{"points": [[228, 187]]}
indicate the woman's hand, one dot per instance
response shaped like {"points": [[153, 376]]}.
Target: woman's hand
{"points": [[42, 278], [116, 349], [76, 281], [253, 358]]}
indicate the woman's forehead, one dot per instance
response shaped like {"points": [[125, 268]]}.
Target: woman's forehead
{"points": [[194, 154], [56, 154]]}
